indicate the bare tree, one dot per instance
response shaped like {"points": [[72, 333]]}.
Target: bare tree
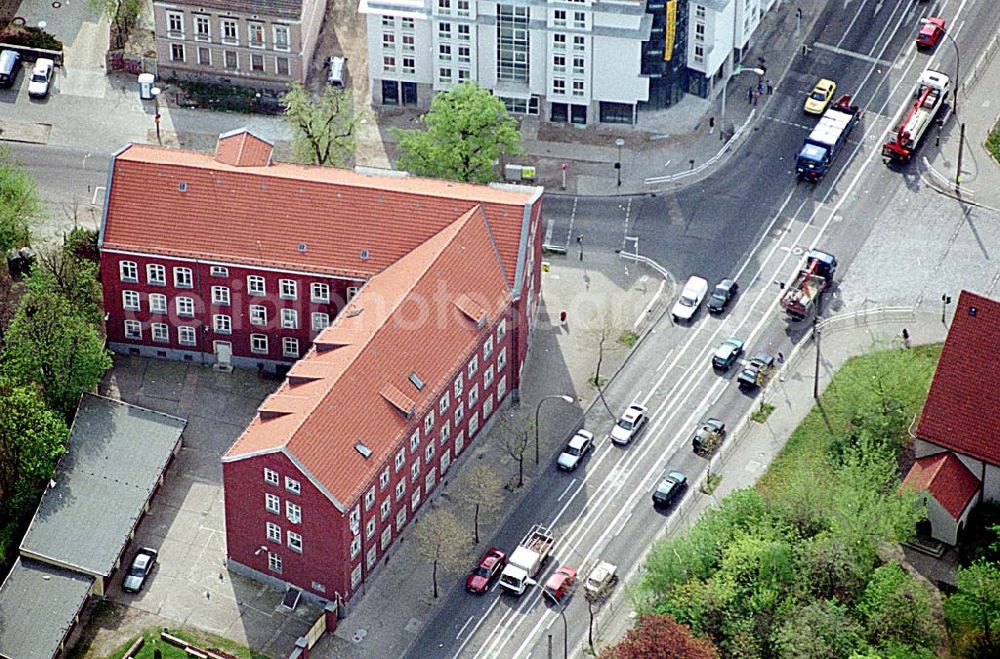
{"points": [[604, 333], [514, 432], [442, 541], [481, 489], [323, 131]]}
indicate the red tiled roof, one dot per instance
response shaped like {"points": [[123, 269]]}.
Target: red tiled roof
{"points": [[350, 389], [962, 411], [946, 479], [241, 148], [296, 217]]}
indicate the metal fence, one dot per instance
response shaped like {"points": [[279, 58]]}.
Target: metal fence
{"points": [[673, 178]]}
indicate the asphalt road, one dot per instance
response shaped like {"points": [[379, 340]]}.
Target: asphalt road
{"points": [[752, 220]]}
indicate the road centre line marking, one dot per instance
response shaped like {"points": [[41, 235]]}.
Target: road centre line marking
{"points": [[851, 53], [670, 352], [650, 442], [620, 528], [571, 483], [475, 628]]}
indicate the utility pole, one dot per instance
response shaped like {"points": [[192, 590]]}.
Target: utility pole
{"points": [[817, 333], [961, 145]]}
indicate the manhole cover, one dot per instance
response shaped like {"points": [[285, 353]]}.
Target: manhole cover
{"points": [[359, 635]]}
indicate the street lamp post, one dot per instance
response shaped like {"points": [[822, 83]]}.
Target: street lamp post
{"points": [[562, 614], [156, 109], [538, 409], [958, 89], [618, 165]]}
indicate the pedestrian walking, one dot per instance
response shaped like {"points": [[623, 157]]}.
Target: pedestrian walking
{"points": [[906, 338], [781, 358], [756, 97], [749, 96], [770, 87], [760, 85]]}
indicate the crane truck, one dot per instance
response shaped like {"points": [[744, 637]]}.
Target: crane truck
{"points": [[802, 295], [932, 91], [526, 561], [827, 139]]}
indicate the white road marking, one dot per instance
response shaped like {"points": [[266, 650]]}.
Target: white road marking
{"points": [[646, 309], [851, 53], [459, 635], [571, 483]]}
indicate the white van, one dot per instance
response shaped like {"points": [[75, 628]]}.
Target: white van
{"points": [[336, 75]]}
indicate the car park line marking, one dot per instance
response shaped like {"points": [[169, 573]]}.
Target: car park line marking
{"points": [[571, 483], [660, 421], [459, 635]]}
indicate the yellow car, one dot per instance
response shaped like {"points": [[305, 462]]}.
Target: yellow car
{"points": [[820, 96]]}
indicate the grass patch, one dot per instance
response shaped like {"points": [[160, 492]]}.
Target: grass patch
{"points": [[895, 380], [993, 142], [712, 481], [628, 338], [763, 411], [203, 640]]}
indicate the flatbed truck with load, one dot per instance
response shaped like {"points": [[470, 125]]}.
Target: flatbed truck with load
{"points": [[932, 91], [803, 294], [527, 560], [827, 139]]}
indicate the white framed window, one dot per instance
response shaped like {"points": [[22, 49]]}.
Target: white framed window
{"points": [[699, 53], [400, 489], [219, 271], [183, 278], [401, 519], [202, 28], [464, 55], [444, 403], [230, 32], [388, 40], [370, 558], [444, 6], [177, 52], [407, 23], [473, 366], [473, 395], [281, 66], [290, 346], [281, 38], [699, 11], [355, 546], [559, 18], [501, 329], [220, 295], [185, 306], [400, 460], [558, 86], [175, 25], [445, 432], [579, 20], [464, 32], [429, 452], [320, 321], [444, 74], [319, 292], [501, 387], [459, 441], [383, 479], [414, 441], [388, 21], [458, 387], [270, 476], [356, 575], [384, 509], [355, 520], [388, 63], [459, 413], [445, 460], [289, 319], [185, 335], [386, 538], [444, 30], [369, 529], [274, 563], [429, 423], [255, 35], [415, 470], [409, 43], [462, 7], [488, 406], [579, 44], [488, 376], [444, 52], [133, 329], [156, 274], [559, 63], [289, 289], [258, 315], [272, 503], [559, 41], [293, 485], [157, 303], [409, 65], [222, 324], [430, 480], [293, 512], [256, 285], [415, 499], [130, 300], [204, 56], [488, 348], [578, 88], [502, 359], [273, 532], [230, 59], [160, 332], [473, 424], [128, 271], [370, 498], [578, 66], [463, 74], [258, 344], [295, 542]]}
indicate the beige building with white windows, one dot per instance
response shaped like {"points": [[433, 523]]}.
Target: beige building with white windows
{"points": [[266, 44]]}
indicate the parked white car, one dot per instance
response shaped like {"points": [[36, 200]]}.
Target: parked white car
{"points": [[41, 78], [694, 292], [579, 446]]}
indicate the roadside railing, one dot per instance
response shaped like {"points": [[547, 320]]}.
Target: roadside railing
{"points": [[673, 178]]}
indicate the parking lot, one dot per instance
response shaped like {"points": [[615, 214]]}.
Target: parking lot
{"points": [[191, 585]]}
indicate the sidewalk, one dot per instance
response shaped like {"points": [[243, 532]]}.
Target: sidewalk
{"points": [[386, 619], [751, 447]]}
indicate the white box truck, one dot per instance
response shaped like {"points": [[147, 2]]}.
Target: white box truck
{"points": [[526, 561]]}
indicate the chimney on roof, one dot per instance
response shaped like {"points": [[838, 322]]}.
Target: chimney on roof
{"points": [[241, 148]]}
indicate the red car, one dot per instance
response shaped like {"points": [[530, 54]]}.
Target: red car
{"points": [[490, 567], [560, 584], [930, 32]]}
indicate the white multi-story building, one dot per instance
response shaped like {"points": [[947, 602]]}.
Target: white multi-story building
{"points": [[718, 35], [571, 60]]}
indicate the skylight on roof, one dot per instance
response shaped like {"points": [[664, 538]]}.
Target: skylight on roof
{"points": [[363, 450], [417, 382]]}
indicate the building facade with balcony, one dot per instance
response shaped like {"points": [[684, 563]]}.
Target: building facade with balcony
{"points": [[573, 61], [256, 43]]}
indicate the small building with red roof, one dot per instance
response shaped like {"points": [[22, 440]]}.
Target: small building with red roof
{"points": [[958, 436], [428, 292]]}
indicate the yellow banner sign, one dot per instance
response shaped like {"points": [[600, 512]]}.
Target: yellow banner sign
{"points": [[668, 48]]}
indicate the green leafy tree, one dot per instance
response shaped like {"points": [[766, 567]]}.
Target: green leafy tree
{"points": [[468, 130], [20, 206], [32, 438], [976, 604], [442, 542], [896, 609], [81, 244], [820, 630], [323, 131], [482, 490], [660, 637], [58, 270], [50, 344]]}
